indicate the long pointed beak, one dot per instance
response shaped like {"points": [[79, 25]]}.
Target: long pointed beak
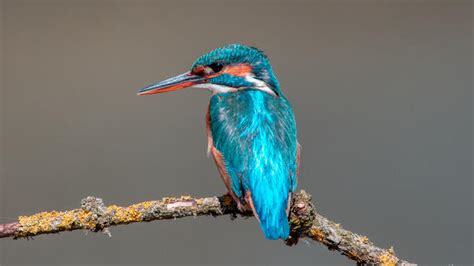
{"points": [[179, 82]]}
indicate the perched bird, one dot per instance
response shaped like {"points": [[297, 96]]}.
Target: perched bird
{"points": [[251, 130]]}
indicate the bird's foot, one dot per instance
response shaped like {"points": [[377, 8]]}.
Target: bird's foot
{"points": [[240, 206], [243, 207]]}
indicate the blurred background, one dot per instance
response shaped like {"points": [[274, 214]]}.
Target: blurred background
{"points": [[382, 93]]}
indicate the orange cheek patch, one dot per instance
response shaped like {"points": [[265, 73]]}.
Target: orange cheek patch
{"points": [[238, 70]]}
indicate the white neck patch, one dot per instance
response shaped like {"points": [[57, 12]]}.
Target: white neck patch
{"points": [[217, 88], [259, 85]]}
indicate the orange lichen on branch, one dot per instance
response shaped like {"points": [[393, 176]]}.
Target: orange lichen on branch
{"points": [[124, 215], [388, 259], [95, 216], [146, 205], [316, 234], [54, 221], [304, 222]]}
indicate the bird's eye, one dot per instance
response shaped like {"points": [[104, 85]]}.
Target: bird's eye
{"points": [[216, 66]]}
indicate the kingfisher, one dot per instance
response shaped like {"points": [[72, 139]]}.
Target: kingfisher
{"points": [[251, 131]]}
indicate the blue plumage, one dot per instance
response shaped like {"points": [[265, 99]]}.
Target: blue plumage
{"points": [[256, 134], [251, 130]]}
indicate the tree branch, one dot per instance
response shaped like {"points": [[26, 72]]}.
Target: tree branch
{"points": [[304, 221]]}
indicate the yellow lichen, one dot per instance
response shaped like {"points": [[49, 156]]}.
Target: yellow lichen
{"points": [[148, 204], [363, 239], [86, 220], [199, 201], [316, 234], [31, 225], [67, 221], [294, 221], [49, 222], [124, 215], [387, 259], [53, 221], [144, 206], [353, 255], [186, 197]]}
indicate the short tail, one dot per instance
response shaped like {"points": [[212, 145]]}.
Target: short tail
{"points": [[273, 218], [277, 226]]}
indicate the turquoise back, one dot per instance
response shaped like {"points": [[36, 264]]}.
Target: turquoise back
{"points": [[256, 134]]}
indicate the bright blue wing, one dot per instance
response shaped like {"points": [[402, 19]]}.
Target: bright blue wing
{"points": [[256, 134]]}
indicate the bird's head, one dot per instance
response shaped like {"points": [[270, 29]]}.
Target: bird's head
{"points": [[230, 68]]}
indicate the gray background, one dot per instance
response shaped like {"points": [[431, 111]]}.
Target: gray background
{"points": [[382, 94]]}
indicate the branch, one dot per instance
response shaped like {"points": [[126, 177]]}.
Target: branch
{"points": [[304, 221]]}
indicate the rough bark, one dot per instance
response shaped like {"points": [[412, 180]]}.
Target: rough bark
{"points": [[304, 221]]}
